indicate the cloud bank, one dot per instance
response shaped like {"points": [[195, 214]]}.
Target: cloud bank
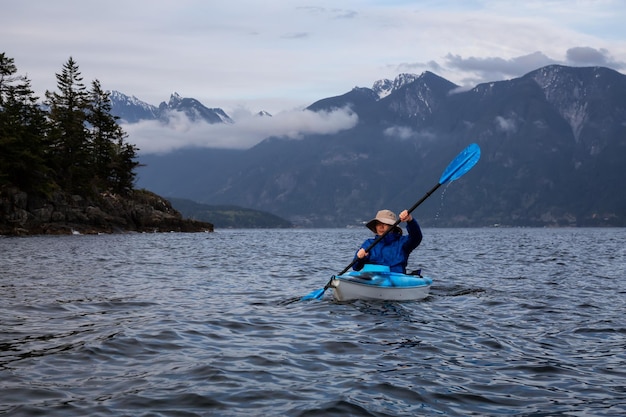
{"points": [[248, 130], [485, 69]]}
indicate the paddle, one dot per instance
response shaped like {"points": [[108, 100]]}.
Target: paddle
{"points": [[456, 169]]}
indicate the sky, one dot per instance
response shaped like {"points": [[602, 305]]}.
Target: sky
{"points": [[280, 56]]}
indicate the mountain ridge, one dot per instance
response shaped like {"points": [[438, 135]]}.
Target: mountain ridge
{"points": [[553, 143]]}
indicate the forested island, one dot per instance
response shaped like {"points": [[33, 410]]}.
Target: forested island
{"points": [[66, 166]]}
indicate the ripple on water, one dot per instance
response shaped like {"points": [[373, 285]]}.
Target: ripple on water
{"points": [[519, 322]]}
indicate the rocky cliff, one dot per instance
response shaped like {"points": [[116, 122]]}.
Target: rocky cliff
{"points": [[62, 213]]}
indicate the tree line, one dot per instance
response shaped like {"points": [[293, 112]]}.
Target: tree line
{"points": [[70, 141]]}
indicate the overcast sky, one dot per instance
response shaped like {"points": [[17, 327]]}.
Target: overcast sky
{"points": [[282, 55]]}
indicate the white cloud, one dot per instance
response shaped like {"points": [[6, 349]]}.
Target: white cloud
{"points": [[506, 125], [248, 129], [400, 132], [408, 133]]}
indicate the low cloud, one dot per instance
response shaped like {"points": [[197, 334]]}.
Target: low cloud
{"points": [[505, 125], [407, 133], [248, 130], [587, 56], [495, 68], [400, 132]]}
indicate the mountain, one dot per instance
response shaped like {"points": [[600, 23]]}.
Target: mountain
{"points": [[383, 88], [193, 109], [553, 146], [132, 110]]}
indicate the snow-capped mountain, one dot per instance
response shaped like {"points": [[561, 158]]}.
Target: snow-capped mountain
{"points": [[131, 110], [385, 87], [194, 110]]}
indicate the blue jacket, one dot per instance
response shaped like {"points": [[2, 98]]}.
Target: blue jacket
{"points": [[393, 250]]}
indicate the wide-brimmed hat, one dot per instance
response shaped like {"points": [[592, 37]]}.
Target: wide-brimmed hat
{"points": [[386, 217]]}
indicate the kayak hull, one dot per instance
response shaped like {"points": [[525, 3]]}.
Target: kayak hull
{"points": [[376, 282]]}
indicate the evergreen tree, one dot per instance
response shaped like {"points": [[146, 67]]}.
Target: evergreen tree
{"points": [[69, 137], [124, 164], [22, 130], [113, 160], [104, 133], [77, 145]]}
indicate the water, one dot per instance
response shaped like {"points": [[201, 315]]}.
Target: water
{"points": [[520, 322]]}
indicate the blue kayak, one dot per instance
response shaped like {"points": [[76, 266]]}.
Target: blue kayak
{"points": [[376, 282]]}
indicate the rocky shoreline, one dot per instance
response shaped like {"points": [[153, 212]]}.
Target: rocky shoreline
{"points": [[60, 213]]}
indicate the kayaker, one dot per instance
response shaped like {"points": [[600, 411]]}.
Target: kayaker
{"points": [[394, 249]]}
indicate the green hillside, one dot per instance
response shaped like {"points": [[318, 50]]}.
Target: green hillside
{"points": [[228, 217]]}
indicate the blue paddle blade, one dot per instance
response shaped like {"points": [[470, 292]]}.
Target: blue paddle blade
{"points": [[461, 164], [314, 295]]}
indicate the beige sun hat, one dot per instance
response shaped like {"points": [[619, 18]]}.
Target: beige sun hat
{"points": [[386, 217]]}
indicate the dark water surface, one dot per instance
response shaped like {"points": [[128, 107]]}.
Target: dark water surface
{"points": [[520, 322]]}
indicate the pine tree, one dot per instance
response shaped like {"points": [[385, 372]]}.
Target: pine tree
{"points": [[22, 130], [69, 137], [104, 133], [77, 145], [124, 164], [113, 160]]}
